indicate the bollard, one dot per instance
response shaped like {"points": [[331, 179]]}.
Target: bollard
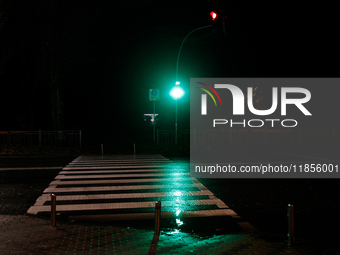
{"points": [[290, 215], [53, 209], [157, 217], [102, 149], [134, 148]]}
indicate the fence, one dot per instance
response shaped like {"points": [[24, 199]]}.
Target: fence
{"points": [[41, 138], [229, 137], [251, 137], [167, 137]]}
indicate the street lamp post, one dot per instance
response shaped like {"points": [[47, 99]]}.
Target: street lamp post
{"points": [[180, 48], [176, 126], [177, 92]]}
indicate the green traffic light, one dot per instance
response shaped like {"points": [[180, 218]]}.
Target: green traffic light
{"points": [[177, 92]]}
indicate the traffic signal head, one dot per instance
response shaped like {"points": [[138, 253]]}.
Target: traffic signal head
{"points": [[219, 20], [177, 92], [213, 15]]}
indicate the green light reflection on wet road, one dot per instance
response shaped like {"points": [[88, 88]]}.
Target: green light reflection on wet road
{"points": [[177, 195]]}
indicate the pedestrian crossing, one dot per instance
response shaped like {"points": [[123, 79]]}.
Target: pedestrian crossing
{"points": [[126, 187]]}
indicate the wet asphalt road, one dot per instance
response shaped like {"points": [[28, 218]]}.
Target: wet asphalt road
{"points": [[261, 202], [19, 189]]}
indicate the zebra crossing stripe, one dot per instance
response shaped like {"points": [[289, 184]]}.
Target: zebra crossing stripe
{"points": [[53, 189], [112, 162], [47, 197], [91, 163], [107, 181], [113, 176], [126, 205], [111, 167], [161, 172], [114, 171], [121, 157]]}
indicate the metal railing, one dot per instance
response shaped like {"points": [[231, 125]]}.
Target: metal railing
{"points": [[167, 137], [41, 138]]}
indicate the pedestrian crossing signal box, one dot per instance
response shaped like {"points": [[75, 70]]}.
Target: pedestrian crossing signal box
{"points": [[154, 94]]}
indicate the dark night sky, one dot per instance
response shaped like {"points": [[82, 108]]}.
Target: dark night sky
{"points": [[132, 46]]}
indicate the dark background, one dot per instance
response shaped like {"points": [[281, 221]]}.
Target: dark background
{"points": [[104, 56]]}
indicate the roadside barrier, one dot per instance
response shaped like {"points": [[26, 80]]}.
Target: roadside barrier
{"points": [[53, 209], [154, 242], [290, 215], [157, 217]]}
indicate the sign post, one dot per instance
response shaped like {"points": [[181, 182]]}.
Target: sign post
{"points": [[154, 96]]}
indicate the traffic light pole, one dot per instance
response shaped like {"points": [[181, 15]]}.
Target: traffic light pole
{"points": [[176, 126], [179, 53], [154, 120], [180, 48]]}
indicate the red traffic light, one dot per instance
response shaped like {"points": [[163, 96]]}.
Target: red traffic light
{"points": [[213, 15]]}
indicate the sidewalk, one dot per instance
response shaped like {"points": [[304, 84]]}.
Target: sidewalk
{"points": [[30, 235]]}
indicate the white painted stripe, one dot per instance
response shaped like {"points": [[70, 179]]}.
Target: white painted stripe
{"points": [[263, 163], [107, 158], [77, 159], [118, 171], [110, 167], [114, 176], [170, 180], [114, 188], [47, 197], [118, 164], [128, 156], [138, 161], [125, 205], [101, 165]]}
